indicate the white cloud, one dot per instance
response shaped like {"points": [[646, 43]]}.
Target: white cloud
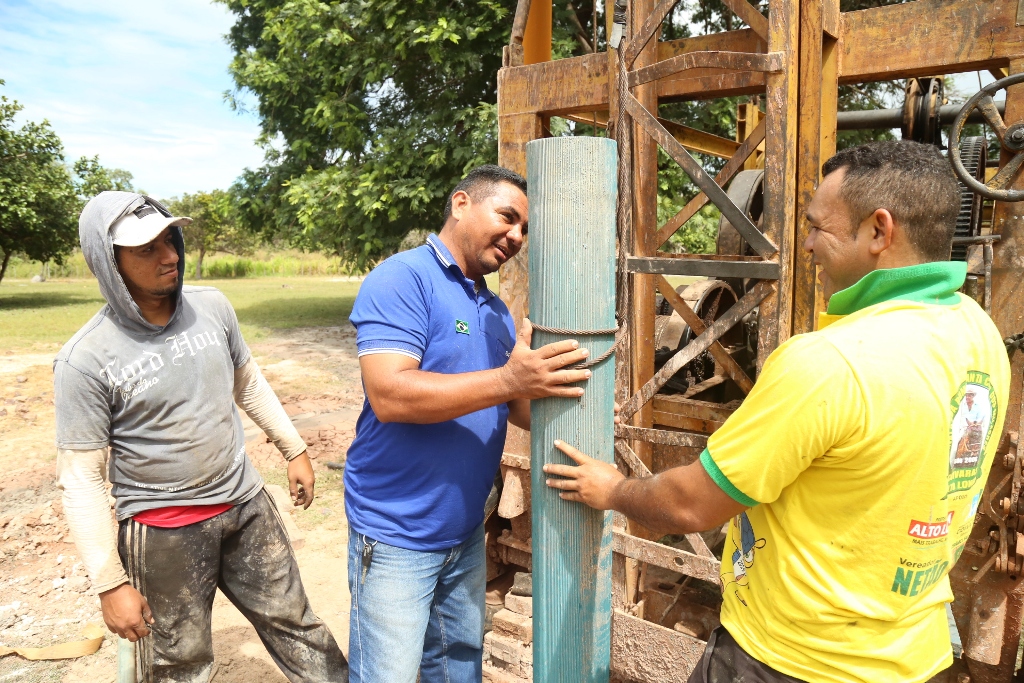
{"points": [[139, 83]]}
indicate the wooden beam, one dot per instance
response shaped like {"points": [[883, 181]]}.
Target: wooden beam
{"points": [[644, 225], [644, 651], [780, 162], [693, 265], [750, 15], [696, 347], [577, 84], [829, 118], [999, 73], [700, 83], [661, 436], [688, 407], [830, 18], [948, 36], [580, 84], [690, 138], [699, 141], [734, 165], [742, 40], [728, 363], [667, 557], [636, 465], [740, 221], [1008, 222], [651, 24], [711, 59], [690, 424], [537, 32], [818, 92]]}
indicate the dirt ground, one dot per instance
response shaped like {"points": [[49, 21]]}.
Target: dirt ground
{"points": [[45, 598]]}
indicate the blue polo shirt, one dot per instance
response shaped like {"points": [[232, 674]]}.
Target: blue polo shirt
{"points": [[423, 487]]}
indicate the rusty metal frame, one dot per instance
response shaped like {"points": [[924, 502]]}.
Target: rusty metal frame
{"points": [[795, 58]]}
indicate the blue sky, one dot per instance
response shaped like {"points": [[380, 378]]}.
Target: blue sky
{"points": [[140, 83]]}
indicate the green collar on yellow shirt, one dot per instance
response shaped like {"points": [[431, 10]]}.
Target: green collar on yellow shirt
{"points": [[930, 283]]}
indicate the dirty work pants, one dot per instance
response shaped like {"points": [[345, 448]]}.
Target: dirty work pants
{"points": [[417, 611], [724, 661], [246, 553]]}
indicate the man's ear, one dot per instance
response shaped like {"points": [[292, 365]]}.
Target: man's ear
{"points": [[882, 228], [460, 202]]}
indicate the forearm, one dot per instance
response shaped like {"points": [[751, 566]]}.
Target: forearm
{"points": [[681, 500], [254, 395], [420, 397], [80, 476]]}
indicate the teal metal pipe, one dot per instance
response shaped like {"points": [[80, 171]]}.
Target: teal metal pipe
{"points": [[572, 185], [126, 672]]}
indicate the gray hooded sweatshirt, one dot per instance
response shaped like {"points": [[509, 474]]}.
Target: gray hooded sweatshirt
{"points": [[160, 397]]}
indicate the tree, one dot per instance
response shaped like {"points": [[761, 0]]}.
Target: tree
{"points": [[93, 178], [38, 204], [370, 112], [214, 225]]}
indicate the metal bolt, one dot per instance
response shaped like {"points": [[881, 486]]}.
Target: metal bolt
{"points": [[1017, 135]]}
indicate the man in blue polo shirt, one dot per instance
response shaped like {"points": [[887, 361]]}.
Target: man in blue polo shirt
{"points": [[443, 373]]}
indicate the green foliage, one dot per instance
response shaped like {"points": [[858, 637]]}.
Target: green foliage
{"points": [[46, 315], [38, 204], [370, 113], [94, 178], [214, 226]]}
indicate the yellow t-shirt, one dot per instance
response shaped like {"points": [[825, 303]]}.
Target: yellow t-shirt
{"points": [[862, 452]]}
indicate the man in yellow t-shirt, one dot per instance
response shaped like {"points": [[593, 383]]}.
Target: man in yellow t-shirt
{"points": [[853, 471]]}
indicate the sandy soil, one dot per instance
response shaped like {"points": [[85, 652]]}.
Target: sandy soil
{"points": [[45, 597]]}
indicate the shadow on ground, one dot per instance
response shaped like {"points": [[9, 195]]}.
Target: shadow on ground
{"points": [[298, 312], [23, 300]]}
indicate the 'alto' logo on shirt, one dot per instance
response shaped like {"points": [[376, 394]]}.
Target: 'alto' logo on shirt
{"points": [[462, 327], [930, 529]]}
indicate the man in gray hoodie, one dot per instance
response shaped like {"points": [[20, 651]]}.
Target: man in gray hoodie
{"points": [[154, 377]]}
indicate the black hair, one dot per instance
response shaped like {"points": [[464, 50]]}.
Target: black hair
{"points": [[913, 181], [480, 183]]}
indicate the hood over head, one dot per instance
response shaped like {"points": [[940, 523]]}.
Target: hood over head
{"points": [[94, 225]]}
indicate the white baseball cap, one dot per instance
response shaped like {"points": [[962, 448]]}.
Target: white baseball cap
{"points": [[142, 225]]}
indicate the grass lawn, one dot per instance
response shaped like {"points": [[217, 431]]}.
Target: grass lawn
{"points": [[49, 313]]}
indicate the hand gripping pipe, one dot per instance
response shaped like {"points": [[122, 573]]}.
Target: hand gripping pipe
{"points": [[572, 185]]}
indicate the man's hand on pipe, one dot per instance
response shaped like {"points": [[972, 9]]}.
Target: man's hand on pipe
{"points": [[539, 373], [301, 480], [592, 482], [126, 612]]}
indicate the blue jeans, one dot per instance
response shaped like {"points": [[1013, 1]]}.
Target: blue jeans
{"points": [[416, 611]]}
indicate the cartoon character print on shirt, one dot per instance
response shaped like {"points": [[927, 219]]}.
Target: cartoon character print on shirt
{"points": [[974, 410], [131, 379], [743, 557]]}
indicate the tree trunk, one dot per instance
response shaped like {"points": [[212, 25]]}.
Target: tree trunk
{"points": [[3, 266], [199, 263]]}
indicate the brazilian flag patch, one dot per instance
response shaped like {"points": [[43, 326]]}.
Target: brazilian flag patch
{"points": [[461, 326]]}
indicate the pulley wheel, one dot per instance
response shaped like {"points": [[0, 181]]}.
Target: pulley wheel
{"points": [[1011, 137]]}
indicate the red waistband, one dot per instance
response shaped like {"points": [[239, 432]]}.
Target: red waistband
{"points": [[180, 515]]}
